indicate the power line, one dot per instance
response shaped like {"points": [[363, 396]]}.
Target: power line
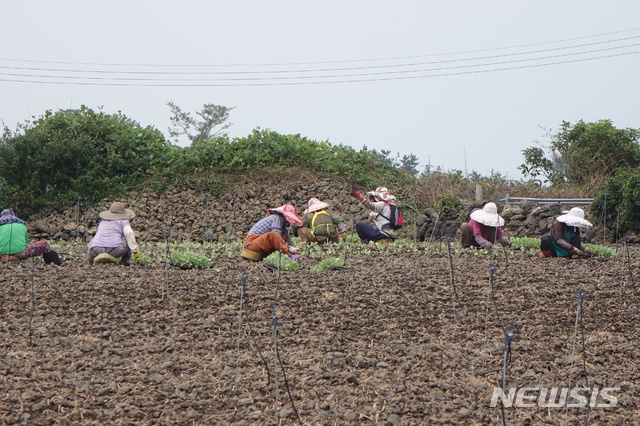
{"points": [[322, 62], [292, 83], [413, 64]]}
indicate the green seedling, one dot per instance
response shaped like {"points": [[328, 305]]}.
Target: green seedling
{"points": [[276, 260], [189, 260], [328, 264]]}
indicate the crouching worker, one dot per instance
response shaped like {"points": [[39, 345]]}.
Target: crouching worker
{"points": [[379, 202], [564, 240], [14, 241], [270, 234], [115, 241], [484, 229], [319, 226]]}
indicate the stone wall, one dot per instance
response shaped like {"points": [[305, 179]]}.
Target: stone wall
{"points": [[192, 215]]}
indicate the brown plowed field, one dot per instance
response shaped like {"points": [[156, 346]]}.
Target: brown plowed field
{"points": [[385, 341]]}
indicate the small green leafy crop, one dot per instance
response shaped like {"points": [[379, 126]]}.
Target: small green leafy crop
{"points": [[328, 264], [601, 250], [144, 259], [190, 260], [523, 243], [286, 263]]}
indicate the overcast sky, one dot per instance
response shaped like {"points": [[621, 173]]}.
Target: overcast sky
{"points": [[461, 84]]}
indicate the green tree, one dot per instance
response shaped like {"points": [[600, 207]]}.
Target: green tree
{"points": [[586, 154], [195, 129], [77, 152], [536, 165]]}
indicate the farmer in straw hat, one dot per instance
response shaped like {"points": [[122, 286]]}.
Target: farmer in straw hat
{"points": [[270, 234], [564, 239], [483, 229], [381, 230], [319, 226], [114, 241], [14, 241]]}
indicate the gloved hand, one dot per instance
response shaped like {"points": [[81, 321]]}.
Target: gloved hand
{"points": [[294, 256], [136, 256], [576, 250], [588, 251], [357, 195], [343, 236], [293, 250], [506, 243]]}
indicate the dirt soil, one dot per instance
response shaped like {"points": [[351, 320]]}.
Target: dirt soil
{"points": [[386, 341]]}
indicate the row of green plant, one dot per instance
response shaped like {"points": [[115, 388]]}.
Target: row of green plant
{"points": [[189, 255], [528, 243]]}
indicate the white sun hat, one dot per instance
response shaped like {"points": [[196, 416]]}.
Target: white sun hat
{"points": [[488, 216], [575, 217]]}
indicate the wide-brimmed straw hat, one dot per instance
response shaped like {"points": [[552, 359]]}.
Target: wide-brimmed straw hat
{"points": [[288, 212], [575, 217], [382, 194], [117, 211], [315, 205], [488, 216]]}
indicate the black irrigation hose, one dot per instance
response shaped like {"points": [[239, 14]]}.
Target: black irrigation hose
{"points": [[244, 297], [277, 360], [582, 294]]}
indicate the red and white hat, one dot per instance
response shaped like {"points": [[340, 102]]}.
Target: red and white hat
{"points": [[289, 213], [315, 205]]}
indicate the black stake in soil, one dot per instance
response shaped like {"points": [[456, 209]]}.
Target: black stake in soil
{"points": [[33, 296], [628, 262], [243, 284], [77, 216], [509, 336], [167, 255], [454, 293], [433, 230], [582, 294], [274, 325], [619, 209], [84, 219], [604, 220]]}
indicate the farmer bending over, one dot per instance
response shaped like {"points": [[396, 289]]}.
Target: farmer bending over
{"points": [[114, 241], [14, 241], [319, 226], [381, 230], [483, 229], [270, 234], [564, 239]]}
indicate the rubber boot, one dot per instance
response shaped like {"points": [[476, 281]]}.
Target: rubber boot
{"points": [[52, 257]]}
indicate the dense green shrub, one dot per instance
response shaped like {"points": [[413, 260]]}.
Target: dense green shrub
{"points": [[72, 153], [617, 202], [267, 149]]}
